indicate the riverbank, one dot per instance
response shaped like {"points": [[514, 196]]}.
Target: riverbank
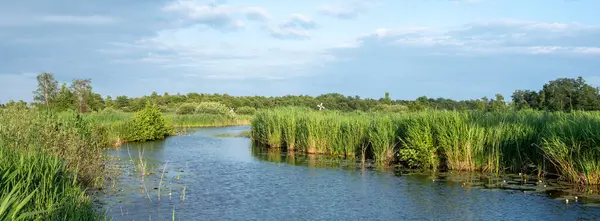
{"points": [[49, 160], [120, 128], [531, 142]]}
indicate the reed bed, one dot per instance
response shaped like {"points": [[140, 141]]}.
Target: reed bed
{"points": [[524, 141], [46, 162]]}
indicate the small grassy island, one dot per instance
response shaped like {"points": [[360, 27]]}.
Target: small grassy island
{"points": [[51, 150]]}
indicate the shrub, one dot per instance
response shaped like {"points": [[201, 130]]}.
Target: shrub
{"points": [[245, 110], [212, 108], [186, 108], [149, 124]]}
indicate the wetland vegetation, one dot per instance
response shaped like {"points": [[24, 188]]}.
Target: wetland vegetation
{"points": [[52, 151]]}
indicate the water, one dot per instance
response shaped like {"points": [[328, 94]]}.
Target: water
{"points": [[225, 178]]}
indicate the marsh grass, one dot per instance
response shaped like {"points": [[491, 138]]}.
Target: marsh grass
{"points": [[37, 185], [496, 142]]}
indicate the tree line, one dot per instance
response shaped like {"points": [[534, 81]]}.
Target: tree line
{"points": [[561, 94]]}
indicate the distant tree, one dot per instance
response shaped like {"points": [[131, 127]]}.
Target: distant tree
{"points": [[482, 104], [65, 100], [122, 102], [109, 102], [498, 104], [82, 89], [47, 89], [387, 99], [567, 94], [95, 102], [20, 104]]}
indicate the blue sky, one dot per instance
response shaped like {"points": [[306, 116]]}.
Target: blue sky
{"points": [[460, 49]]}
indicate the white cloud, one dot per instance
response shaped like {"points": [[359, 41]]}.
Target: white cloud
{"points": [[299, 21], [185, 50], [295, 27], [289, 33], [347, 9], [507, 36], [217, 15]]}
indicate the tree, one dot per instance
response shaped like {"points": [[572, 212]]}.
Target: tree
{"points": [[82, 89], [387, 99], [498, 104], [47, 89], [122, 102], [65, 100], [567, 94], [524, 99]]}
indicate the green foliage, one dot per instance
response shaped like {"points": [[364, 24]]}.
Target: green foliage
{"points": [[212, 108], [149, 124], [206, 120], [65, 100], [245, 110], [562, 94], [67, 135], [387, 108], [37, 186], [47, 89], [186, 108], [110, 110], [46, 161]]}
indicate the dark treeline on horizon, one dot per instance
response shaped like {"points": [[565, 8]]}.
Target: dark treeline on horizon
{"points": [[561, 94]]}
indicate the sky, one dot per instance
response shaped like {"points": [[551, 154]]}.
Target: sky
{"points": [[459, 49]]}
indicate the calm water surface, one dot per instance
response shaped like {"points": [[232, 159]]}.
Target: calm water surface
{"points": [[208, 177]]}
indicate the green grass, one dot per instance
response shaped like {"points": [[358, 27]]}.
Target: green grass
{"points": [[207, 120], [526, 141], [46, 162], [36, 185], [119, 125]]}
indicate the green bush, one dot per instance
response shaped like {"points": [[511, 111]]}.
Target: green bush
{"points": [[110, 110], [245, 110], [186, 108], [149, 124], [212, 108]]}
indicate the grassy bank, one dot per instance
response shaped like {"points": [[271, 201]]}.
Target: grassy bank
{"points": [[120, 126], [46, 162], [528, 141]]}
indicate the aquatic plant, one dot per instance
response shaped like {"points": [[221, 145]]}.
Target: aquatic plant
{"points": [[509, 141]]}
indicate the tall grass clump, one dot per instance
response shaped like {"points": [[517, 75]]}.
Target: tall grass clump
{"points": [[35, 185], [382, 138], [418, 148], [572, 144], [68, 136]]}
